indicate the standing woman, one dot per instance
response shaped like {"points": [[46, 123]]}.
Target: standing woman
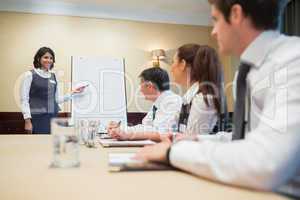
{"points": [[39, 93]]}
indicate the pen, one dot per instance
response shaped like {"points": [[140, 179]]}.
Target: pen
{"points": [[81, 87]]}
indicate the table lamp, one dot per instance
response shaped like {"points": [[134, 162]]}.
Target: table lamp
{"points": [[157, 55]]}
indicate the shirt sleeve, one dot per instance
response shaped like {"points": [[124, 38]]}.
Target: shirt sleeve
{"points": [[266, 158], [24, 94], [61, 99], [220, 136], [165, 120]]}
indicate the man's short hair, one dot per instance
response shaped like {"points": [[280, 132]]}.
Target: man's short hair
{"points": [[264, 14], [158, 76]]}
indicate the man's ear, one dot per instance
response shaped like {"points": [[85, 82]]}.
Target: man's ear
{"points": [[149, 85], [236, 14], [153, 86]]}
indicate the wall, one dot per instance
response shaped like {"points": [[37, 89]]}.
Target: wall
{"points": [[22, 34]]}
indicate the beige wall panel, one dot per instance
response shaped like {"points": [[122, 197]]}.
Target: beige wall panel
{"points": [[22, 34]]}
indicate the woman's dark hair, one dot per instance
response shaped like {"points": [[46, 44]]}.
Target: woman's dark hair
{"points": [[263, 13], [158, 76], [206, 69], [39, 54]]}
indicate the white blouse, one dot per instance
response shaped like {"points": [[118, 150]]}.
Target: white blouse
{"points": [[202, 118]]}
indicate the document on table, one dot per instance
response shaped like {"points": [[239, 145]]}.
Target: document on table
{"points": [[119, 143], [104, 136], [126, 162]]}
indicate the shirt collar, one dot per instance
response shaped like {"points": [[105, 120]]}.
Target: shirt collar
{"points": [[161, 97], [42, 73], [190, 93], [258, 50]]}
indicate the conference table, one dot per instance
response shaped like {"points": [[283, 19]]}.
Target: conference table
{"points": [[25, 174]]}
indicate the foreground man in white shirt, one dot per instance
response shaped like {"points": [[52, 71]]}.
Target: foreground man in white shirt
{"points": [[267, 156], [163, 115]]}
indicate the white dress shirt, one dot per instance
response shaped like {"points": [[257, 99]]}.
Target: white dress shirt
{"points": [[269, 154], [202, 118], [25, 90], [168, 106]]}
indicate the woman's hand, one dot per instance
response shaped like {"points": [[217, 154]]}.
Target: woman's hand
{"points": [[78, 90], [175, 137], [181, 136], [28, 126]]}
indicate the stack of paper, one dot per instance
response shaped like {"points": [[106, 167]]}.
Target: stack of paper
{"points": [[126, 162], [118, 143], [104, 136]]}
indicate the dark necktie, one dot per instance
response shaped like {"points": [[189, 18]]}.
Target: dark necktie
{"points": [[184, 113], [154, 109], [239, 107]]}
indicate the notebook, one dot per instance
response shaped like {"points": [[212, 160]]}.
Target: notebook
{"points": [[125, 162], [104, 136], [118, 143]]}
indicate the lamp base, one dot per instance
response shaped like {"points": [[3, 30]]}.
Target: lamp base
{"points": [[155, 63]]}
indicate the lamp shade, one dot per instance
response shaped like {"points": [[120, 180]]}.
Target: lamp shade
{"points": [[158, 53]]}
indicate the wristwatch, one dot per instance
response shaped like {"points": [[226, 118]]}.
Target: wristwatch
{"points": [[168, 155]]}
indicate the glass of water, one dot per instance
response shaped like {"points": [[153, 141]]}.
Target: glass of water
{"points": [[82, 126], [93, 128], [65, 144]]}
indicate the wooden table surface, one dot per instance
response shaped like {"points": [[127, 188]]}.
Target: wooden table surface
{"points": [[25, 174]]}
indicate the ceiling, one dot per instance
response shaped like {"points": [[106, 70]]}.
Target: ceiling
{"points": [[191, 12]]}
